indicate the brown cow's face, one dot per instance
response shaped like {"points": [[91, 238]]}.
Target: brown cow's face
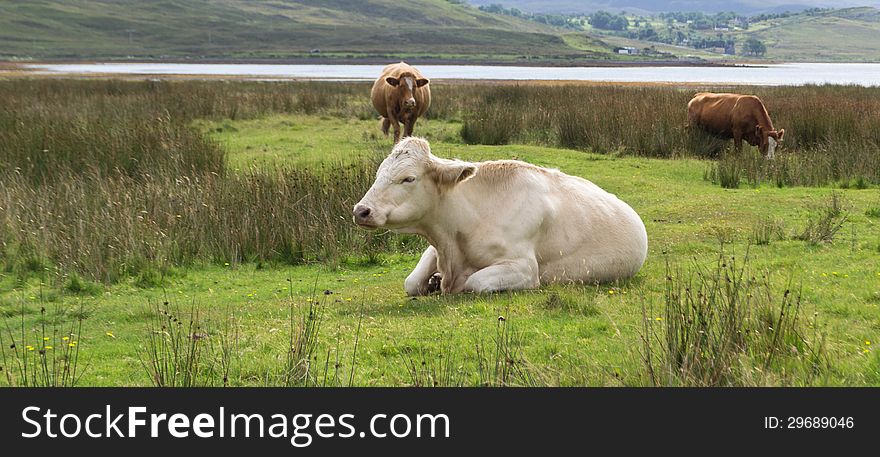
{"points": [[769, 141], [406, 85]]}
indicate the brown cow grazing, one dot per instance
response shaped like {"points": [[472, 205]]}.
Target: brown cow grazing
{"points": [[401, 94], [741, 117]]}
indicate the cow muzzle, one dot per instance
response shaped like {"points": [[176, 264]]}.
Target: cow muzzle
{"points": [[409, 103], [363, 216]]}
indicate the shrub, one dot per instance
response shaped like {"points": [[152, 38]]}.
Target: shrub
{"points": [[722, 326], [766, 230], [824, 221]]}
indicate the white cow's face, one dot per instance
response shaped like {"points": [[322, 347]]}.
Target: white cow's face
{"points": [[408, 185]]}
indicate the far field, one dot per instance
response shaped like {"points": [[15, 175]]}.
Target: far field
{"points": [[842, 35], [252, 306], [834, 35]]}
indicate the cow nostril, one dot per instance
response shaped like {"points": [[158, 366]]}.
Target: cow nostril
{"points": [[362, 213]]}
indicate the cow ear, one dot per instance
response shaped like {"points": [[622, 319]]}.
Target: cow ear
{"points": [[392, 81], [421, 82], [454, 172], [781, 134], [758, 130]]}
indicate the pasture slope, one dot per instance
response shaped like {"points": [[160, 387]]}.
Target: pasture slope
{"points": [[236, 29], [848, 35], [343, 318]]}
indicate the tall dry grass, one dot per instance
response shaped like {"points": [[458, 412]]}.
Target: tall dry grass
{"points": [[832, 132], [111, 227]]}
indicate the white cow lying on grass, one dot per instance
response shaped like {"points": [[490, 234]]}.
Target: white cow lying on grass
{"points": [[501, 225]]}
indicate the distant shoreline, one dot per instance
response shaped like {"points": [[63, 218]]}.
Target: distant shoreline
{"points": [[562, 63]]}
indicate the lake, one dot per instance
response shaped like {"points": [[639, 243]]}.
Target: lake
{"points": [[864, 74]]}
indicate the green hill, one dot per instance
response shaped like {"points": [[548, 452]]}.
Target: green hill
{"points": [[832, 35], [271, 29], [851, 34]]}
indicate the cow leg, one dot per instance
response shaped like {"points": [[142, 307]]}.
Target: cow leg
{"points": [[738, 141], [418, 282], [512, 275], [385, 124], [408, 127], [396, 125]]}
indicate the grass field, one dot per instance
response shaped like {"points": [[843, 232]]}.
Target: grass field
{"points": [[266, 317]]}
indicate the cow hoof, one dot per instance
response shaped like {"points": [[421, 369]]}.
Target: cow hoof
{"points": [[434, 283]]}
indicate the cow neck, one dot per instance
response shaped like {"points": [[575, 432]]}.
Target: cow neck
{"points": [[765, 121], [456, 215]]}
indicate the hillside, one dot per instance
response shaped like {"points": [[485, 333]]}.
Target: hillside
{"points": [[269, 29], [657, 6], [830, 35], [840, 35]]}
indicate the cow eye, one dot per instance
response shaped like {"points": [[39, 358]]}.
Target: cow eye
{"points": [[409, 179]]}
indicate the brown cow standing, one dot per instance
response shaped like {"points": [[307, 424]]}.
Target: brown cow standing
{"points": [[401, 94], [741, 117]]}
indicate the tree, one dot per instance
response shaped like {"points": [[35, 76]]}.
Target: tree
{"points": [[647, 33], [608, 21], [755, 47]]}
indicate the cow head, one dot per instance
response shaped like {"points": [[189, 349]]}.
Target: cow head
{"points": [[769, 140], [409, 183], [405, 85]]}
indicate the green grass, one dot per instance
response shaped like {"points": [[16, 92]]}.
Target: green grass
{"points": [[307, 141], [568, 335]]}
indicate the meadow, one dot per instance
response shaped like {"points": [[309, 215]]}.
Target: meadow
{"points": [[185, 233]]}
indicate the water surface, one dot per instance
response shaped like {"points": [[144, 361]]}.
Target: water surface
{"points": [[864, 74]]}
